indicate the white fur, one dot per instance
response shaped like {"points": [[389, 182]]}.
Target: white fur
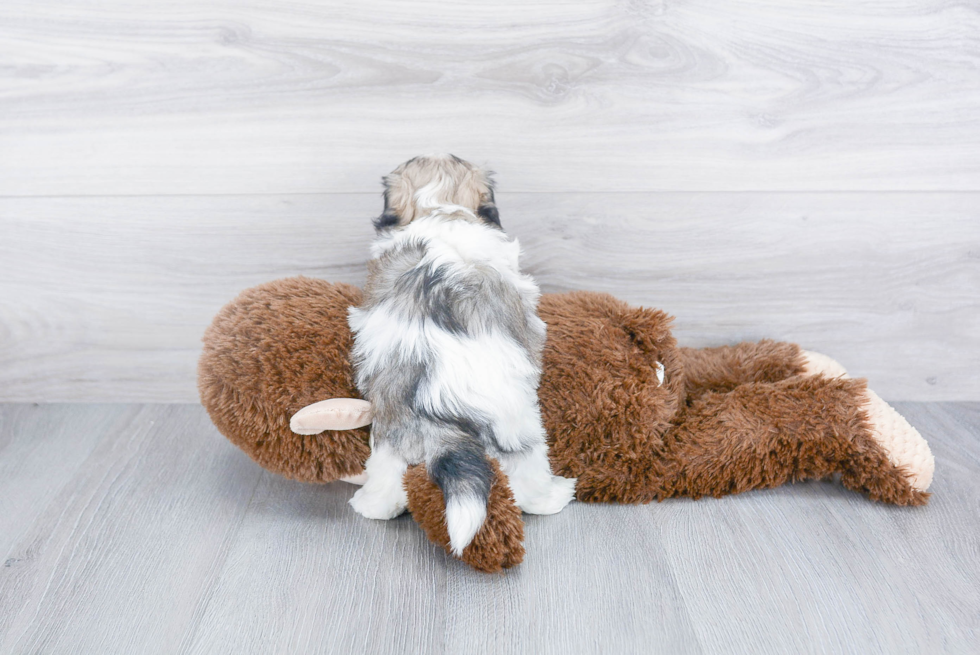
{"points": [[490, 374], [382, 331], [486, 371], [464, 518], [536, 490], [383, 495], [428, 197], [455, 242], [358, 479]]}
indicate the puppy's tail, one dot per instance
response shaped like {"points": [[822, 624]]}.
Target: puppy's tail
{"points": [[463, 473]]}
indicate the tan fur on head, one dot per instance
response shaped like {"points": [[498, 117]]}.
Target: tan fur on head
{"points": [[424, 183]]}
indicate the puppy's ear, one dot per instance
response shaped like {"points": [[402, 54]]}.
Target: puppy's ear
{"points": [[488, 210], [389, 218]]}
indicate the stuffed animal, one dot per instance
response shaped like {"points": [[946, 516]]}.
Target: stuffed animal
{"points": [[629, 414]]}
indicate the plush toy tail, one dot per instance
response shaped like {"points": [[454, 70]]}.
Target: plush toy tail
{"points": [[464, 475]]}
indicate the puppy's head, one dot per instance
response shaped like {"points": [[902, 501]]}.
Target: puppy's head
{"points": [[422, 184]]}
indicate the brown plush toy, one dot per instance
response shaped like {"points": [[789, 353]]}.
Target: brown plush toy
{"points": [[629, 414]]}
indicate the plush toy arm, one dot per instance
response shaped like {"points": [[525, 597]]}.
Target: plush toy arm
{"points": [[726, 367], [332, 414]]}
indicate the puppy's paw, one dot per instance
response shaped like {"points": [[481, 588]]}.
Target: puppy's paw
{"points": [[902, 443], [378, 503], [817, 364], [550, 498]]}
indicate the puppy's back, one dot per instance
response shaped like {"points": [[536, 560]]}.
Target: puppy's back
{"points": [[446, 349]]}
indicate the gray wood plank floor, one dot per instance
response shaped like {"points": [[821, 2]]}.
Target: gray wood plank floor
{"points": [[139, 529]]}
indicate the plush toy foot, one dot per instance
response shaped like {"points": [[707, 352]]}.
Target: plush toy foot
{"points": [[904, 446], [498, 544], [817, 364], [358, 479]]}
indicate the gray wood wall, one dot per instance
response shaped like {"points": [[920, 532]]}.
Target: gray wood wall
{"points": [[808, 172]]}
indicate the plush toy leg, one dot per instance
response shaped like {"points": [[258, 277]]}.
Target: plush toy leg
{"points": [[726, 367], [817, 364], [499, 543], [766, 434], [904, 446], [902, 443]]}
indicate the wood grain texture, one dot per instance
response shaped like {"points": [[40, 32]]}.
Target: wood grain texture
{"points": [[40, 452], [107, 298], [224, 97], [143, 526], [156, 158], [153, 534]]}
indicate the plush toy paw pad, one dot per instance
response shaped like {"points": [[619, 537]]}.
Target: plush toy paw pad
{"points": [[818, 364], [902, 443]]}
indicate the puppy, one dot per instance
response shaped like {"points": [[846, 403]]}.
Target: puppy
{"points": [[447, 348]]}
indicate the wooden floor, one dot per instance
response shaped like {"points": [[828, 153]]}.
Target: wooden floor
{"points": [[139, 529]]}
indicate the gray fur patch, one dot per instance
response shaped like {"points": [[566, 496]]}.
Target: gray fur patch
{"points": [[412, 295]]}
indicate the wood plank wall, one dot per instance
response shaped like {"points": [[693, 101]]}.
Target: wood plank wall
{"points": [[808, 172]]}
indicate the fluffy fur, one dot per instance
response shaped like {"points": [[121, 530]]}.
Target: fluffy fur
{"points": [[500, 542], [723, 420], [423, 183], [271, 351], [447, 348]]}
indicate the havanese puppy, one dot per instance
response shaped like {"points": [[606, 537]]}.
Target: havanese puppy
{"points": [[447, 348]]}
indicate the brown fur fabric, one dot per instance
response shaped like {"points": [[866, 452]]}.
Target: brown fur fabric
{"points": [[603, 407], [764, 434], [725, 420], [270, 352], [726, 367], [500, 542]]}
